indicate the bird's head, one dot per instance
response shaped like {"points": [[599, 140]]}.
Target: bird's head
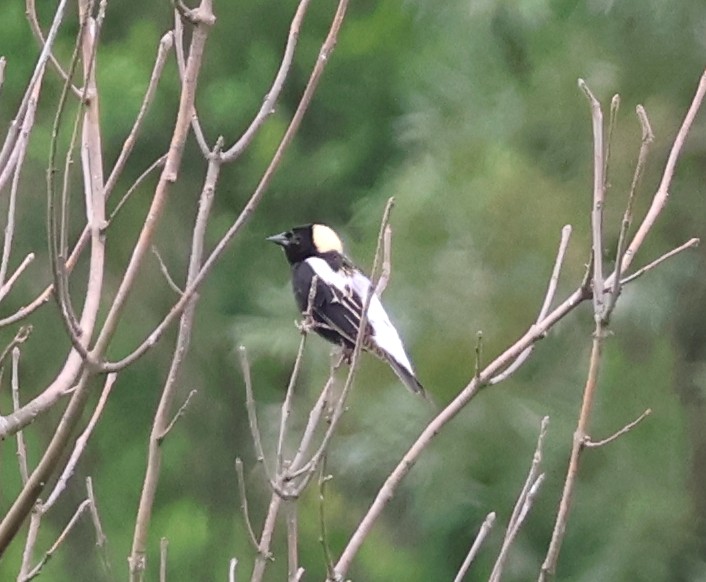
{"points": [[311, 240]]}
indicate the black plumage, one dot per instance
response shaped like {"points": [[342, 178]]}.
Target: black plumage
{"points": [[315, 252]]}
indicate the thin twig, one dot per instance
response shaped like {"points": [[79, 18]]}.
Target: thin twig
{"points": [[263, 548], [8, 147], [231, 570], [244, 501], [661, 196], [591, 444], [163, 546], [386, 262], [313, 421], [101, 539], [475, 547], [31, 13], [165, 45], [323, 536], [7, 287], [292, 541], [268, 105], [523, 504], [479, 354], [287, 403], [598, 198], [21, 446], [35, 521], [599, 334], [80, 445], [548, 298], [60, 540], [161, 424], [647, 138], [613, 117], [691, 243], [181, 66], [21, 336], [165, 271], [177, 416], [252, 413], [158, 163], [21, 150]]}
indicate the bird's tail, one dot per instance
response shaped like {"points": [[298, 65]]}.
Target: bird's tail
{"points": [[408, 378]]}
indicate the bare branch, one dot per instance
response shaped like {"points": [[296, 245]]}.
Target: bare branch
{"points": [[523, 504], [7, 287], [80, 445], [313, 421], [323, 537], [268, 104], [177, 416], [691, 243], [661, 196], [21, 446], [548, 298], [536, 332], [165, 45], [231, 570], [181, 66], [479, 353], [35, 521], [60, 540], [263, 549], [598, 199], [20, 338], [161, 425], [647, 138], [19, 154], [292, 541], [101, 539], [287, 404], [386, 262], [254, 200], [165, 271], [244, 501], [252, 413], [163, 545], [475, 547], [588, 443], [614, 107], [9, 144], [31, 13]]}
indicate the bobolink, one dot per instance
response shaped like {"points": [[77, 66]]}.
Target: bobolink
{"points": [[315, 250]]}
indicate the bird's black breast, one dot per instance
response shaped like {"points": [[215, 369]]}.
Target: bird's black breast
{"points": [[335, 313]]}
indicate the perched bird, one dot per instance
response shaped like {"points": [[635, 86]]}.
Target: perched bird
{"points": [[316, 251]]}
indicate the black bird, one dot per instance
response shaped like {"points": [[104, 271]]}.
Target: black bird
{"points": [[315, 250]]}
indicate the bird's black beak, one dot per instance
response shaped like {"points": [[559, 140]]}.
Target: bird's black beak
{"points": [[279, 239]]}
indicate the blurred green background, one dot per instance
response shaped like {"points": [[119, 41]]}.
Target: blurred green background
{"points": [[469, 114]]}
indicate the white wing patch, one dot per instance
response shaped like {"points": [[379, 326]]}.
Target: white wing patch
{"points": [[385, 335]]}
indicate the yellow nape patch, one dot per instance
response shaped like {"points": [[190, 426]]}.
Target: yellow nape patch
{"points": [[325, 239]]}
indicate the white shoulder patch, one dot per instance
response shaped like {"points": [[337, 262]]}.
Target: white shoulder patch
{"points": [[384, 334], [326, 274], [325, 239]]}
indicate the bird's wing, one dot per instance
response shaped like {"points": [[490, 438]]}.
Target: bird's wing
{"points": [[385, 335], [334, 304], [338, 302]]}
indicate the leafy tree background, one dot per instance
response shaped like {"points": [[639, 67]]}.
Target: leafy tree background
{"points": [[469, 114]]}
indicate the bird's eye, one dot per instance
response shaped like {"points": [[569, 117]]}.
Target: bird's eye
{"points": [[295, 239]]}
